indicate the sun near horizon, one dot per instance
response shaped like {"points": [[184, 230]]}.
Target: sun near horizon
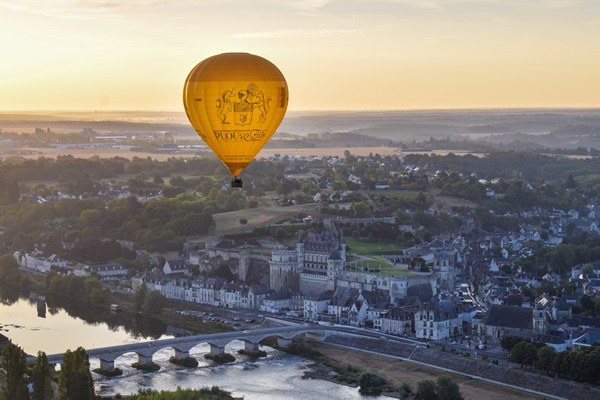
{"points": [[336, 55]]}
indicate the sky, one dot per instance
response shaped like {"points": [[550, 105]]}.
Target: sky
{"points": [[335, 54]]}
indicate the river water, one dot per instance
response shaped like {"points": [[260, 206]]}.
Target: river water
{"points": [[276, 377]]}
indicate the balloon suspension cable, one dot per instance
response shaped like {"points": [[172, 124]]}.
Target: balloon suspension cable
{"points": [[236, 182]]}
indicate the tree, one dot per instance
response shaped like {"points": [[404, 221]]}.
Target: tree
{"points": [[426, 390], [41, 377], [371, 384], [361, 209], [10, 276], [570, 183], [14, 365], [177, 181], [587, 303], [90, 218], [447, 389], [243, 221], [405, 390], [524, 353], [508, 342], [75, 379], [545, 358], [154, 303], [139, 297]]}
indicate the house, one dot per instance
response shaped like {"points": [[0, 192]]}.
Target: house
{"points": [[316, 305], [39, 263], [176, 266], [396, 322], [354, 179], [276, 301], [194, 258], [231, 295], [255, 295], [205, 290], [438, 320], [105, 272], [588, 339], [357, 313]]}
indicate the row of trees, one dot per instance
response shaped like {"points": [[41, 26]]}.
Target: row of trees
{"points": [[582, 365], [443, 388], [75, 289], [74, 380]]}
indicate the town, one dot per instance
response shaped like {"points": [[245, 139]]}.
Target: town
{"points": [[412, 246]]}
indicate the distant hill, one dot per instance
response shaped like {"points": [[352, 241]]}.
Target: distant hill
{"points": [[552, 128]]}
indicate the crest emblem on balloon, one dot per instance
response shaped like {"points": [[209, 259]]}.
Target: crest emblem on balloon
{"points": [[235, 102]]}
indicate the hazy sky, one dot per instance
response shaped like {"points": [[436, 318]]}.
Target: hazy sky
{"points": [[335, 54]]}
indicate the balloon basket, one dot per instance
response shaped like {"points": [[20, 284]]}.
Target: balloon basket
{"points": [[236, 182]]}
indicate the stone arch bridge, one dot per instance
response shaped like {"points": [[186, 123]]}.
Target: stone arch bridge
{"points": [[217, 342]]}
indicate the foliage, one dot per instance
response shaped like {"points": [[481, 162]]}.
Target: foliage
{"points": [[220, 358], [139, 298], [41, 377], [581, 365], [154, 303], [10, 276], [188, 362], [371, 384], [75, 379], [447, 389], [545, 358], [524, 353], [426, 390], [150, 367], [508, 342], [443, 388], [15, 367], [405, 391], [76, 289], [213, 393]]}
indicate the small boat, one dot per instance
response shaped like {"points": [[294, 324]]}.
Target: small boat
{"points": [[116, 307]]}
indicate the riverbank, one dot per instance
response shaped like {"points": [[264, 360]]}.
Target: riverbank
{"points": [[100, 312], [398, 372]]}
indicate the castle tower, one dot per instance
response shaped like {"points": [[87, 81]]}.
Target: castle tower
{"points": [[283, 270], [335, 264]]}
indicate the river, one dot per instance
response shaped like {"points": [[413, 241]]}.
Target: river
{"points": [[278, 376]]}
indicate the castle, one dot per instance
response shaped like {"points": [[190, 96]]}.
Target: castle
{"points": [[317, 264], [312, 266]]}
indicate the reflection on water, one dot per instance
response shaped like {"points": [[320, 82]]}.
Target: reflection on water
{"points": [[276, 377], [60, 330]]}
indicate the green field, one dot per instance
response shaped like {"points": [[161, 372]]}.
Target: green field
{"points": [[372, 248], [379, 268]]}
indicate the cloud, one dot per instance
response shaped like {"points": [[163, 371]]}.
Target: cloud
{"points": [[298, 33]]}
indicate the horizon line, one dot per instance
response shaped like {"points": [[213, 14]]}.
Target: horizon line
{"points": [[331, 110]]}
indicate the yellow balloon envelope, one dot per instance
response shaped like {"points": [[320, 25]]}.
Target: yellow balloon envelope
{"points": [[235, 102]]}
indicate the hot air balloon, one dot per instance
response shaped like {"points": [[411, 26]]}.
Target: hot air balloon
{"points": [[235, 102]]}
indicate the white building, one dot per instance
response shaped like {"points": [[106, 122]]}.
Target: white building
{"points": [[105, 272], [315, 306], [396, 322], [438, 320]]}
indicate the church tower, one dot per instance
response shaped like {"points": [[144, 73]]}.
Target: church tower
{"points": [[539, 320]]}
